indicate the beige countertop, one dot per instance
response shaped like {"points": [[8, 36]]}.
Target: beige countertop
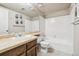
{"points": [[34, 33], [12, 35], [12, 42]]}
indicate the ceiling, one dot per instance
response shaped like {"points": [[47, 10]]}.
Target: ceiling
{"points": [[36, 9]]}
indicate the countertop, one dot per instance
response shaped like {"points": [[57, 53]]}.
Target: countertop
{"points": [[33, 33], [12, 42]]}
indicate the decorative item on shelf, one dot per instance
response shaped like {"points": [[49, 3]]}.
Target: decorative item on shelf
{"points": [[20, 16], [21, 22], [16, 16], [17, 22]]}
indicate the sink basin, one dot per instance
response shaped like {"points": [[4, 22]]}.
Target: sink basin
{"points": [[24, 37], [28, 35]]}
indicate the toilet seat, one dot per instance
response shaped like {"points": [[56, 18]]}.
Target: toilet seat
{"points": [[44, 44]]}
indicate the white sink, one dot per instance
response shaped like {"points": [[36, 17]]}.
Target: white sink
{"points": [[24, 37], [28, 35]]}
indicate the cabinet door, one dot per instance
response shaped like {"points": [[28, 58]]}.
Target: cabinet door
{"points": [[31, 44], [24, 54], [32, 51], [20, 50], [15, 52]]}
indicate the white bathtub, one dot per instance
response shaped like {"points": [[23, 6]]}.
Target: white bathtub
{"points": [[62, 45]]}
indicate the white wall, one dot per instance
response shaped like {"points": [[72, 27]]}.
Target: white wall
{"points": [[38, 24], [35, 25], [42, 26], [60, 28], [59, 25], [28, 26], [3, 20]]}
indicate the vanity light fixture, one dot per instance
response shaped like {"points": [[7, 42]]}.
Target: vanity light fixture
{"points": [[16, 16]]}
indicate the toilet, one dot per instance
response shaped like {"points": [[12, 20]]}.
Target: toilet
{"points": [[44, 44]]}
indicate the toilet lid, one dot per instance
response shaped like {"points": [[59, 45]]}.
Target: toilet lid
{"points": [[44, 42]]}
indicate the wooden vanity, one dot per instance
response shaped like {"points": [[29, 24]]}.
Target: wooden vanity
{"points": [[24, 48], [28, 49]]}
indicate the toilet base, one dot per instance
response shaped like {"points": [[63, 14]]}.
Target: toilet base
{"points": [[44, 50]]}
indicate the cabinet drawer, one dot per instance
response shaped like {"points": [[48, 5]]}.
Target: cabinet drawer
{"points": [[9, 53], [15, 52], [20, 49], [24, 54], [31, 44], [32, 51]]}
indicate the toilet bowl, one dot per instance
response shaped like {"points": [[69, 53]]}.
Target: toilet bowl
{"points": [[43, 41], [44, 44]]}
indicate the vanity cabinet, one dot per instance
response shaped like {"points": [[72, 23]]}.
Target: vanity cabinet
{"points": [[31, 48], [28, 49]]}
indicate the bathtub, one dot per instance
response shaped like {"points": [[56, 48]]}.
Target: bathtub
{"points": [[63, 45]]}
